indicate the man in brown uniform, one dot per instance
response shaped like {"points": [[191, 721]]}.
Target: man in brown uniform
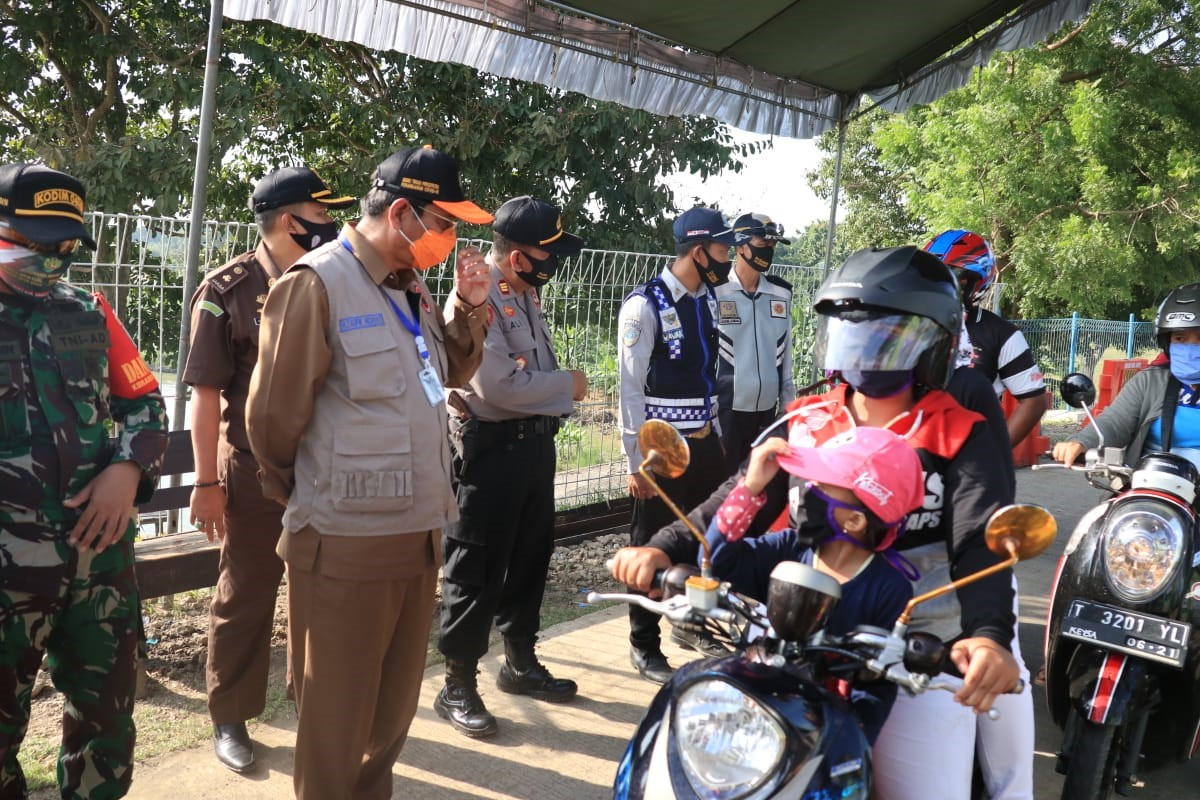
{"points": [[347, 418], [291, 206]]}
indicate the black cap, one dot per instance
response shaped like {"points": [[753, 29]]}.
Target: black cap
{"points": [[702, 223], [42, 204], [290, 185], [749, 225], [534, 223], [428, 174]]}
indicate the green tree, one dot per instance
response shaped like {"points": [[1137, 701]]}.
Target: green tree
{"points": [[110, 90], [1079, 159], [872, 200]]}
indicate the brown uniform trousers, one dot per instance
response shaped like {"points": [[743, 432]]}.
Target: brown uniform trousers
{"points": [[368, 603], [242, 615]]}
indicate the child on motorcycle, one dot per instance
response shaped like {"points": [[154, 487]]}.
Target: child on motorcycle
{"points": [[869, 480], [888, 322]]}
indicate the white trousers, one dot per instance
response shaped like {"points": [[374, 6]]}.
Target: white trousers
{"points": [[926, 748]]}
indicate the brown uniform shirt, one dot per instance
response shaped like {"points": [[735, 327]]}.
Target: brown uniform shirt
{"points": [[226, 314], [299, 357]]}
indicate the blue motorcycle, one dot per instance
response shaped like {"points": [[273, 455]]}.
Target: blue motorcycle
{"points": [[768, 720]]}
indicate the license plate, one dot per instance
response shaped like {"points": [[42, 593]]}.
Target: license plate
{"points": [[1141, 635]]}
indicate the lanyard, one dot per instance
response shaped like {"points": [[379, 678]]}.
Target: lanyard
{"points": [[413, 326]]}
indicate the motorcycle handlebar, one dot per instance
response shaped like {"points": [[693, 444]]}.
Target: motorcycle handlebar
{"points": [[669, 581], [949, 683]]}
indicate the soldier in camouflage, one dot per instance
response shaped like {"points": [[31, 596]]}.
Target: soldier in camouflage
{"points": [[68, 372]]}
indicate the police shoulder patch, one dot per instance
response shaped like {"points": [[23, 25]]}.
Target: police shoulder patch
{"points": [[631, 332]]}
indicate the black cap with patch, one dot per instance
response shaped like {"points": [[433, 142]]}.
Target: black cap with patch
{"points": [[42, 204], [290, 185], [429, 174], [535, 223]]}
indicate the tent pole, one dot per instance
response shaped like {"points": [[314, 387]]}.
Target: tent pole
{"points": [[199, 193], [843, 123]]}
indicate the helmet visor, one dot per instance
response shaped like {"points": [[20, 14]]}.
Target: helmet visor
{"points": [[873, 341]]}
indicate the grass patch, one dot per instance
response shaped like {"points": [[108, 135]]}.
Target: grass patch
{"points": [[581, 446]]}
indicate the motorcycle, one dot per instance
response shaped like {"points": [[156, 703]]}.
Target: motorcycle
{"points": [[768, 720], [1122, 663]]}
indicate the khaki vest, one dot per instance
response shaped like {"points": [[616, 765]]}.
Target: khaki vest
{"points": [[375, 458]]}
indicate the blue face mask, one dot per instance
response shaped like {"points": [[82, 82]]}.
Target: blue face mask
{"points": [[1185, 362]]}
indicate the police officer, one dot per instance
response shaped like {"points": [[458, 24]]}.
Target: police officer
{"points": [[754, 322], [291, 206], [668, 356], [68, 371], [503, 424]]}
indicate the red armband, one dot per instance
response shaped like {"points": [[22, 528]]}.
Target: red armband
{"points": [[128, 375]]}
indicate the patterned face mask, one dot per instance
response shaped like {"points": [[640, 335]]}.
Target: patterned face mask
{"points": [[31, 273]]}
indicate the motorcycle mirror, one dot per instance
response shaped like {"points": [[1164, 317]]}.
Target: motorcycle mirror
{"points": [[1015, 532], [664, 450], [1077, 390], [665, 453], [799, 599], [1023, 531]]}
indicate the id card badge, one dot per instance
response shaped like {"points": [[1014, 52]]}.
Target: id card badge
{"points": [[432, 384]]}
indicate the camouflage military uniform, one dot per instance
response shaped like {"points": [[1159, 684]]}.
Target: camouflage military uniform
{"points": [[67, 372]]}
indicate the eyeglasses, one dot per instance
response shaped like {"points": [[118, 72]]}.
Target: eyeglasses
{"points": [[450, 223], [58, 249]]}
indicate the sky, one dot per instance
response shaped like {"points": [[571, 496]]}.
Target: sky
{"points": [[772, 182]]}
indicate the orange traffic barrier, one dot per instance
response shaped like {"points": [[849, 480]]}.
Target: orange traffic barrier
{"points": [[1026, 453], [1114, 372]]}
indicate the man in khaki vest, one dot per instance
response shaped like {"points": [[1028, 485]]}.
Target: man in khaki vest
{"points": [[347, 418]]}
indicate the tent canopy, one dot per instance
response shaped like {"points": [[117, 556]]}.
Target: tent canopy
{"points": [[783, 67]]}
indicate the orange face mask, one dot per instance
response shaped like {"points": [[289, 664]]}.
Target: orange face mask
{"points": [[430, 248]]}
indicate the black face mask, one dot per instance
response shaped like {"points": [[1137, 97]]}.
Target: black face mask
{"points": [[760, 257], [814, 530], [879, 383], [714, 272], [543, 270], [315, 233]]}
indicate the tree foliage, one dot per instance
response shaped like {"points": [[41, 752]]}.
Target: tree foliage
{"points": [[110, 90], [1079, 159]]}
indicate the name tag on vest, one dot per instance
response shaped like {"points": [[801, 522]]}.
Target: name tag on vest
{"points": [[358, 323]]}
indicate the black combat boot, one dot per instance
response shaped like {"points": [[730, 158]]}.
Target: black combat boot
{"points": [[522, 673], [459, 702]]}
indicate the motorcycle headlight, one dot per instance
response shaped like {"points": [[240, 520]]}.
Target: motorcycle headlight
{"points": [[729, 743], [1143, 544]]}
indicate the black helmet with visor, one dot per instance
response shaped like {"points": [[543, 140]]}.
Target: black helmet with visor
{"points": [[890, 310], [1179, 310]]}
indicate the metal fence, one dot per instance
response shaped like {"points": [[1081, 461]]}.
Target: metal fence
{"points": [[139, 263], [1074, 344]]}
